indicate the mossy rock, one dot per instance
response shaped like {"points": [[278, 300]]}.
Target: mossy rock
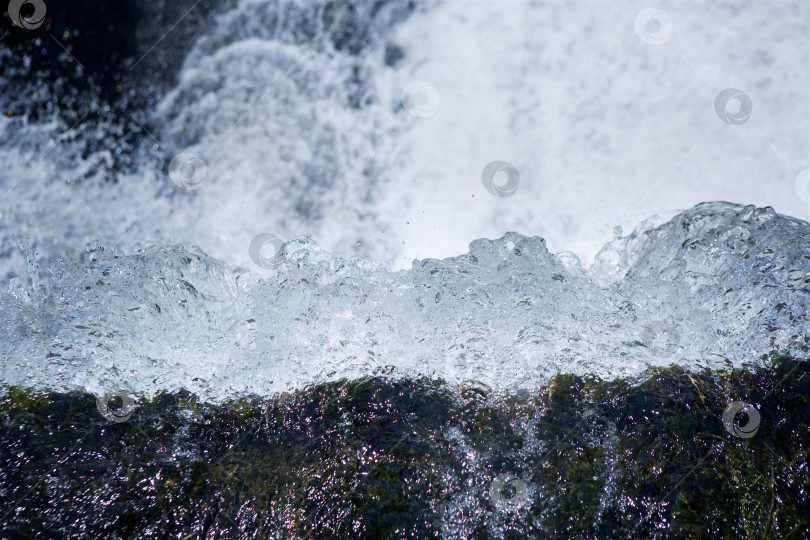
{"points": [[383, 458]]}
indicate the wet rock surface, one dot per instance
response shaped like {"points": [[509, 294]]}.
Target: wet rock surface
{"points": [[580, 458]]}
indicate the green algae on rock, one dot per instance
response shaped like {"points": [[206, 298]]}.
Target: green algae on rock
{"points": [[379, 457]]}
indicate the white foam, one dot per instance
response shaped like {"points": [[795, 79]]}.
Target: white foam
{"points": [[299, 136], [717, 286], [604, 129]]}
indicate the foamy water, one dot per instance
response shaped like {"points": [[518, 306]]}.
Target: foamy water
{"points": [[304, 123], [718, 286]]}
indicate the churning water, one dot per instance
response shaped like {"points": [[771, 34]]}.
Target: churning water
{"points": [[252, 197], [715, 286], [366, 127]]}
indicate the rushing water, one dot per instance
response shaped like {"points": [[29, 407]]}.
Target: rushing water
{"points": [[296, 110], [717, 286], [271, 201]]}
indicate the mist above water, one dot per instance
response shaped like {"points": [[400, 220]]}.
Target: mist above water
{"points": [[296, 111]]}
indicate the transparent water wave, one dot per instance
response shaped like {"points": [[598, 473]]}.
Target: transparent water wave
{"points": [[718, 285]]}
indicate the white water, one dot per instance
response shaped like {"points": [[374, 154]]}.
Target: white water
{"points": [[603, 128], [717, 286]]}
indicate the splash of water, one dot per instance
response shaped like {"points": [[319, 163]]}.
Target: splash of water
{"points": [[717, 285]]}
